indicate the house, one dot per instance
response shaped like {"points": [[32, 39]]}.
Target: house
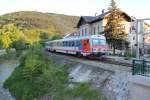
{"points": [[92, 25]]}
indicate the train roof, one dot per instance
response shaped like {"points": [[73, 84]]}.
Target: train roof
{"points": [[78, 38]]}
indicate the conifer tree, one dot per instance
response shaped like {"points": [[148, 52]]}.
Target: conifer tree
{"points": [[114, 29]]}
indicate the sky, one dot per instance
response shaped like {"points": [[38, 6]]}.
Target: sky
{"points": [[136, 8]]}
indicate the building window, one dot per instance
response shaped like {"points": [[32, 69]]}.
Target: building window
{"points": [[133, 37], [82, 32], [94, 30], [85, 31], [98, 29]]}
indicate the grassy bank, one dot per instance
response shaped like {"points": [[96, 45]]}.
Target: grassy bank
{"points": [[37, 76]]}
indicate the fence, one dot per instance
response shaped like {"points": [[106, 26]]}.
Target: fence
{"points": [[141, 67]]}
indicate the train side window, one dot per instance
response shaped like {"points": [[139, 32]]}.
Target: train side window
{"points": [[70, 43], [59, 44], [73, 43], [62, 43], [78, 43], [67, 44]]}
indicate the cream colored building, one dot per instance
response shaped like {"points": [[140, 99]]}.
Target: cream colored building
{"points": [[90, 25]]}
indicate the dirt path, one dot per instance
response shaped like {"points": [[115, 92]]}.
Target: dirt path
{"points": [[6, 68]]}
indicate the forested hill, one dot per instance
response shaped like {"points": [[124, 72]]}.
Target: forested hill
{"points": [[59, 23]]}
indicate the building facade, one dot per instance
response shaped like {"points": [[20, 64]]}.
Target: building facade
{"points": [[92, 25]]}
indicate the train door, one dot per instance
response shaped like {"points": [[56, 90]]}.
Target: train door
{"points": [[86, 45]]}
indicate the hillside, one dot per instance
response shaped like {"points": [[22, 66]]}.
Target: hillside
{"points": [[62, 24]]}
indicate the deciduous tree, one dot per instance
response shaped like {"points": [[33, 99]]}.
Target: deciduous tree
{"points": [[8, 34]]}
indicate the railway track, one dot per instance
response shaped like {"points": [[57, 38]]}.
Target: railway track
{"points": [[98, 59]]}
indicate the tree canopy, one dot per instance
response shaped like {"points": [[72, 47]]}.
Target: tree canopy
{"points": [[114, 29], [8, 34]]}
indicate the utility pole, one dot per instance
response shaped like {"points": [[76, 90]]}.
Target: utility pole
{"points": [[131, 33], [137, 39], [140, 33]]}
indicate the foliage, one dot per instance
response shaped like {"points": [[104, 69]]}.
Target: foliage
{"points": [[19, 46], [56, 36], [44, 35], [37, 76], [6, 40], [114, 29], [8, 34], [31, 36]]}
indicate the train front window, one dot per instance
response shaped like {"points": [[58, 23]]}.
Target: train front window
{"points": [[96, 42], [102, 42], [99, 42]]}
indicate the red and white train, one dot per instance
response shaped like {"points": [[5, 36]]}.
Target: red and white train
{"points": [[88, 45]]}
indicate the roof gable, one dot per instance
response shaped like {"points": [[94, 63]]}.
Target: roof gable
{"points": [[84, 20], [92, 19]]}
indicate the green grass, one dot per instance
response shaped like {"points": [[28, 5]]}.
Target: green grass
{"points": [[37, 76]]}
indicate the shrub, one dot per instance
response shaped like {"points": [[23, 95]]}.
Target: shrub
{"points": [[56, 36], [35, 76], [19, 46]]}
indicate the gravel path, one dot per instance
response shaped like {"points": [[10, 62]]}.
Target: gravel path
{"points": [[109, 67]]}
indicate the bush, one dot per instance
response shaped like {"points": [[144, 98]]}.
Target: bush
{"points": [[56, 36], [35, 76], [19, 46]]}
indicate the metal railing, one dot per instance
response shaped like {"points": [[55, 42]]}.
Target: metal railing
{"points": [[141, 67]]}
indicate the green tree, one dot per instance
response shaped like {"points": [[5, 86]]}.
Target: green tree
{"points": [[44, 35], [6, 40], [56, 36], [114, 29], [31, 36], [8, 34]]}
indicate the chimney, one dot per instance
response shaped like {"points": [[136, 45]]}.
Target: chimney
{"points": [[96, 14], [103, 11]]}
